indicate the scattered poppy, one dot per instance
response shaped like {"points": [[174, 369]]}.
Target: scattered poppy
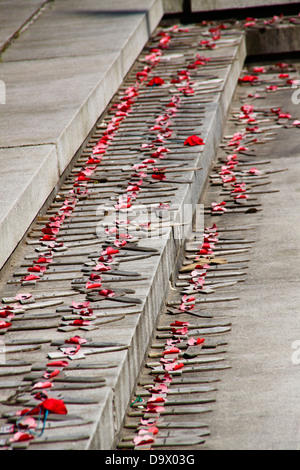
{"points": [[193, 140], [76, 340], [156, 81]]}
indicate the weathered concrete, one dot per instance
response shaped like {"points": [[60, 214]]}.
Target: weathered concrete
{"points": [[13, 20], [264, 40], [179, 6]]}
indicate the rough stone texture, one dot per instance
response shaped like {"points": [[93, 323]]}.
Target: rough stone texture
{"points": [[273, 41], [208, 5], [178, 6], [13, 19]]}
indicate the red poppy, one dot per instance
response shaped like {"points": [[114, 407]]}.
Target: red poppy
{"points": [[42, 385], [58, 364], [21, 437], [180, 331], [93, 285], [158, 176], [101, 267], [80, 322], [4, 325], [173, 366], [171, 351], [143, 439], [193, 341], [248, 78], [76, 340], [156, 81], [219, 207], [107, 293], [54, 406], [156, 400], [193, 140]]}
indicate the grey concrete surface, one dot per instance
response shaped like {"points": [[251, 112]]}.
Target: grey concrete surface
{"points": [[257, 404], [59, 77]]}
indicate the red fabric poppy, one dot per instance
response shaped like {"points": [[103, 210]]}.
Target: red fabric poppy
{"points": [[54, 406], [107, 293], [248, 78], [109, 251], [193, 140], [156, 81]]}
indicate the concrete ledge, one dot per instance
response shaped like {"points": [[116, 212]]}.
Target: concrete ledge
{"points": [[20, 192], [273, 41], [209, 5], [59, 77]]}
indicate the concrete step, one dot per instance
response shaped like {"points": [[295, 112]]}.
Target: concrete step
{"points": [[134, 331], [59, 77]]}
